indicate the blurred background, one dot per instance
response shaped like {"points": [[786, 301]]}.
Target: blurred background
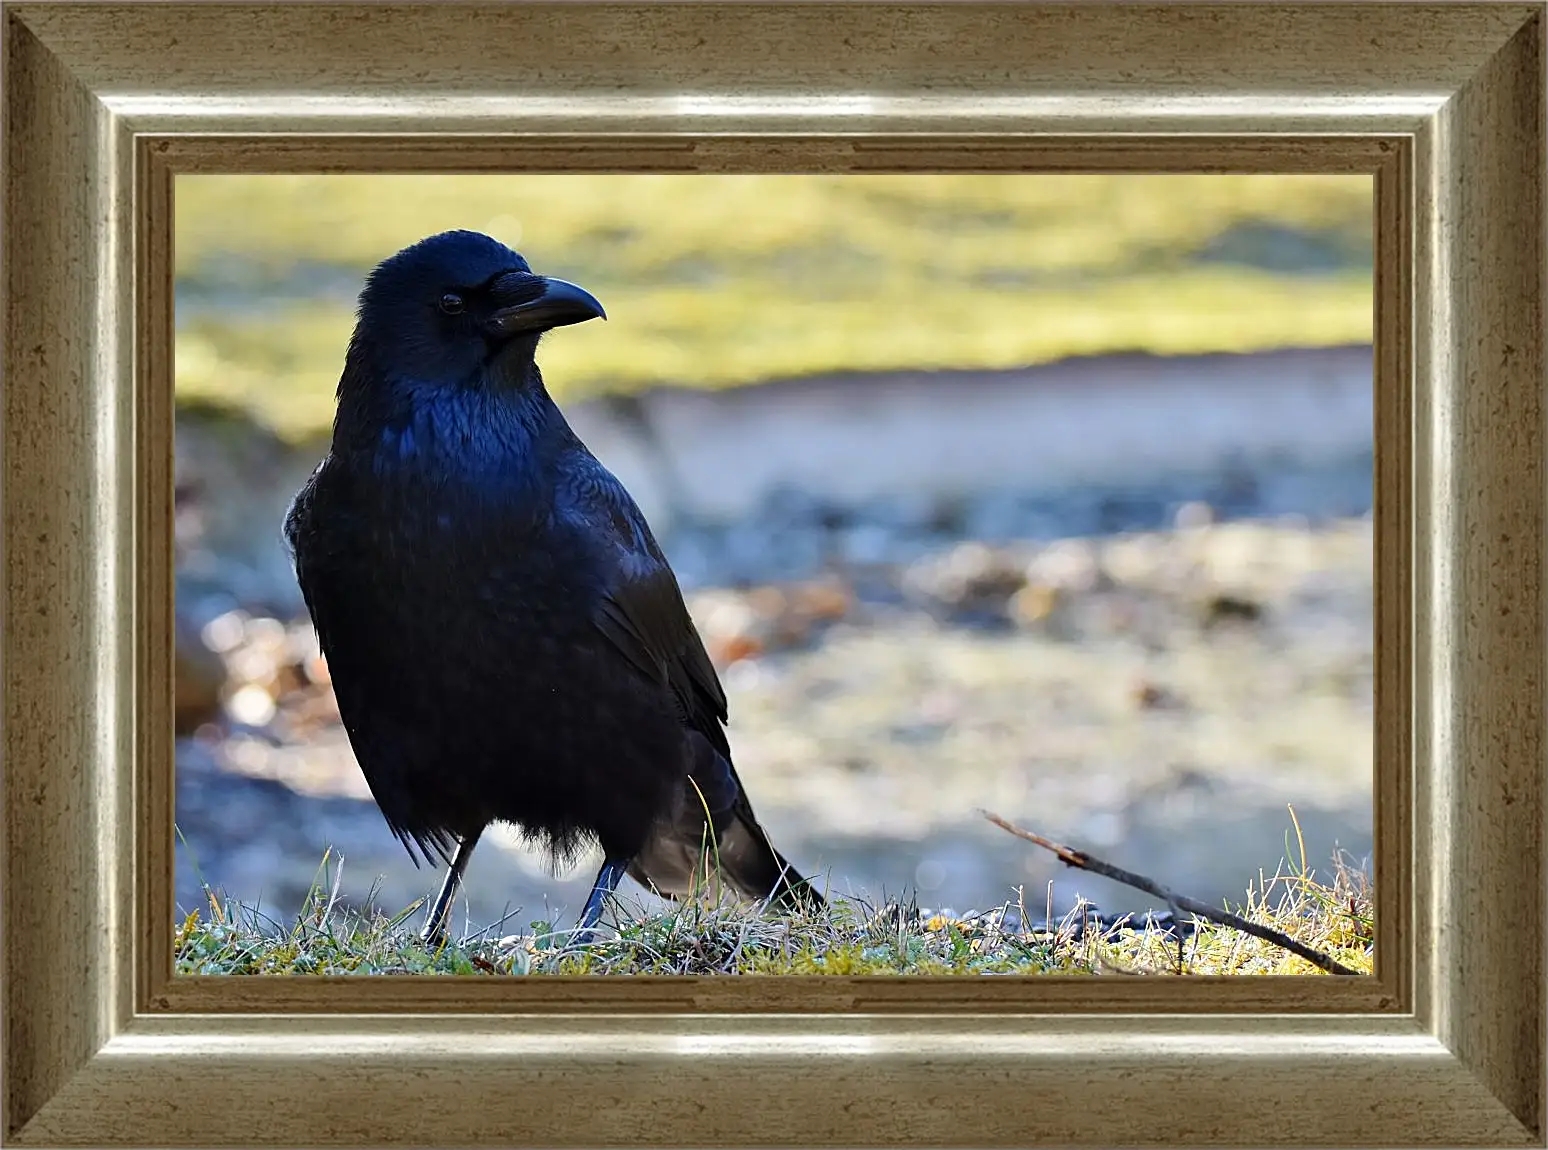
{"points": [[1044, 494]]}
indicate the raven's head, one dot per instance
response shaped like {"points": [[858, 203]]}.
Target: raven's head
{"points": [[447, 308]]}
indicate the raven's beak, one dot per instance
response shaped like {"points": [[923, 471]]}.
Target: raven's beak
{"points": [[537, 303]]}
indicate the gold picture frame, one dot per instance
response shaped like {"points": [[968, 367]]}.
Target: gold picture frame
{"points": [[1442, 103]]}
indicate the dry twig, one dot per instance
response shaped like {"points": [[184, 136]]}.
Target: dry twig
{"points": [[1083, 861]]}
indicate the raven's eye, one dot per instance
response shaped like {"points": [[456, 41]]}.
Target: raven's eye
{"points": [[451, 303]]}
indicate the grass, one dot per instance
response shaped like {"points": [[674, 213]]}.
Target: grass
{"points": [[699, 937], [717, 281]]}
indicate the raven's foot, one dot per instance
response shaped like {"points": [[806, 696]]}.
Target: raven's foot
{"points": [[606, 883], [434, 933]]}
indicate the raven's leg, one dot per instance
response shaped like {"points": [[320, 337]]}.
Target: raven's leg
{"points": [[434, 932], [606, 883]]}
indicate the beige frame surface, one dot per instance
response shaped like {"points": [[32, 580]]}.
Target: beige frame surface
{"points": [[105, 103]]}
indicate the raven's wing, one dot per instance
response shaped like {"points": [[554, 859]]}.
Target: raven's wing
{"points": [[642, 615]]}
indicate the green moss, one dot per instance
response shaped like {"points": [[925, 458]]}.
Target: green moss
{"points": [[224, 937]]}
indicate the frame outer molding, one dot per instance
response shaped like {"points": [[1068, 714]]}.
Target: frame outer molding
{"points": [[1487, 500], [1448, 1047], [68, 514]]}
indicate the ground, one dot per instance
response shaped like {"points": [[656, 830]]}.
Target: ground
{"points": [[1157, 694]]}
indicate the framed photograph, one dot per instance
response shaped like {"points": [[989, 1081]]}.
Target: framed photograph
{"points": [[119, 119]]}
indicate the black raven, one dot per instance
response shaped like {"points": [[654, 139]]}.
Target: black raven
{"points": [[505, 637]]}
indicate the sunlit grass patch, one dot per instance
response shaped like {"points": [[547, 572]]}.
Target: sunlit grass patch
{"points": [[718, 281], [285, 366], [253, 230]]}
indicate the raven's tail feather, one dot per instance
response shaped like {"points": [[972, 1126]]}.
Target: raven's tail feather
{"points": [[744, 857], [749, 862], [737, 846]]}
